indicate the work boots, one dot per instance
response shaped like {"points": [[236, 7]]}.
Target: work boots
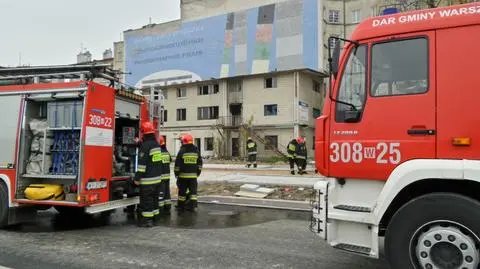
{"points": [[145, 222], [254, 165], [180, 206], [192, 206], [167, 209]]}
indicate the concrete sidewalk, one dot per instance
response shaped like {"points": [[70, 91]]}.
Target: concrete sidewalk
{"points": [[238, 178], [282, 167]]}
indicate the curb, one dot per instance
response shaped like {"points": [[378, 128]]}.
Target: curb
{"points": [[250, 169], [257, 203], [301, 185]]}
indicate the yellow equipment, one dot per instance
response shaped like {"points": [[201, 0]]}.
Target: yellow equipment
{"points": [[45, 192]]}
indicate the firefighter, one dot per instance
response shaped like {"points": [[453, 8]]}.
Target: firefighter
{"points": [[165, 202], [301, 155], [188, 167], [148, 176], [291, 149], [251, 152]]}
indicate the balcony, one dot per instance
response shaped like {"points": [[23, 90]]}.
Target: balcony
{"points": [[230, 121], [235, 97]]}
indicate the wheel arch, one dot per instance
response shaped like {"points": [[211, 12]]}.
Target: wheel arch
{"points": [[419, 177], [6, 180]]}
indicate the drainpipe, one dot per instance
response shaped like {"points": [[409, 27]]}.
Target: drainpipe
{"points": [[296, 115]]}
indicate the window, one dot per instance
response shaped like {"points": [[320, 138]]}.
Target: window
{"points": [[270, 110], [181, 92], [181, 114], [334, 16], [316, 86], [158, 92], [164, 138], [164, 116], [352, 86], [272, 140], [356, 16], [313, 144], [270, 82], [209, 143], [332, 42], [400, 67], [208, 89], [316, 113], [207, 113]]}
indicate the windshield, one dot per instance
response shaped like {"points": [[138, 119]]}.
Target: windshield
{"points": [[353, 81]]}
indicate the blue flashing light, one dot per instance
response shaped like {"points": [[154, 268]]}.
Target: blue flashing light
{"points": [[390, 11]]}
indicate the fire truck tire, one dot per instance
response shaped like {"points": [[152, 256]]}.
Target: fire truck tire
{"points": [[3, 205], [438, 230]]}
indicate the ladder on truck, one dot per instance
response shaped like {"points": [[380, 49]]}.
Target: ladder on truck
{"points": [[47, 74]]}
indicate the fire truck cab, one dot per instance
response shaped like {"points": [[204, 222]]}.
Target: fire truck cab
{"points": [[399, 144], [70, 145]]}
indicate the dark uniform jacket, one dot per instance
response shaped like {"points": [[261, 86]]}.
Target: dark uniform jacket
{"points": [[150, 167], [166, 160], [292, 148], [251, 147], [188, 163], [301, 152]]}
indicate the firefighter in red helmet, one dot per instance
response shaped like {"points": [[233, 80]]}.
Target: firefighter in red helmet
{"points": [[188, 167], [148, 176], [165, 203], [301, 156]]}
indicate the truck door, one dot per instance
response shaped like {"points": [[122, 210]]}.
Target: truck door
{"points": [[391, 84]]}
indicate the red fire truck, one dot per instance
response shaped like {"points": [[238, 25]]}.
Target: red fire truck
{"points": [[399, 141], [70, 145]]}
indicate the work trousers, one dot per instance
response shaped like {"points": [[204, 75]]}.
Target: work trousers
{"points": [[187, 185], [302, 165], [164, 201], [291, 161], [252, 159], [148, 206]]}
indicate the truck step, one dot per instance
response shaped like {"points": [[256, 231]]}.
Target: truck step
{"points": [[353, 208], [354, 249], [93, 209]]}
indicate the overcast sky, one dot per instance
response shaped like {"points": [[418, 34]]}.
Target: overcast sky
{"points": [[48, 32]]}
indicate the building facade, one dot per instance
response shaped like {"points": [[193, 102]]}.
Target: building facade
{"points": [[231, 69], [342, 16], [222, 113]]}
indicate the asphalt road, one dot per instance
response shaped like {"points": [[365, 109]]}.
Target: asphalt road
{"points": [[216, 237]]}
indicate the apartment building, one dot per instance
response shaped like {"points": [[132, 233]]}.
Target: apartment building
{"points": [[230, 69], [219, 113], [342, 16]]}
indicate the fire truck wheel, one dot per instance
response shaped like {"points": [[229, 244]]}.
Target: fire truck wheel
{"points": [[3, 205], [435, 231]]}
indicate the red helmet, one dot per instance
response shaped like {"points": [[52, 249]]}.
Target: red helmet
{"points": [[161, 141], [300, 140], [147, 128], [186, 139]]}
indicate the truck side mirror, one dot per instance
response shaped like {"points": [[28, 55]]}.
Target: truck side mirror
{"points": [[335, 58], [352, 116]]}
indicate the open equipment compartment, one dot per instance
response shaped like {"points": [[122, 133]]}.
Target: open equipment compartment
{"points": [[50, 144], [127, 126]]}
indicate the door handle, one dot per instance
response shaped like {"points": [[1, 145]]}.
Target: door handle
{"points": [[421, 132]]}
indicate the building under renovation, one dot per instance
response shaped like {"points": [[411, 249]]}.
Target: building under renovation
{"points": [[228, 69], [231, 69]]}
